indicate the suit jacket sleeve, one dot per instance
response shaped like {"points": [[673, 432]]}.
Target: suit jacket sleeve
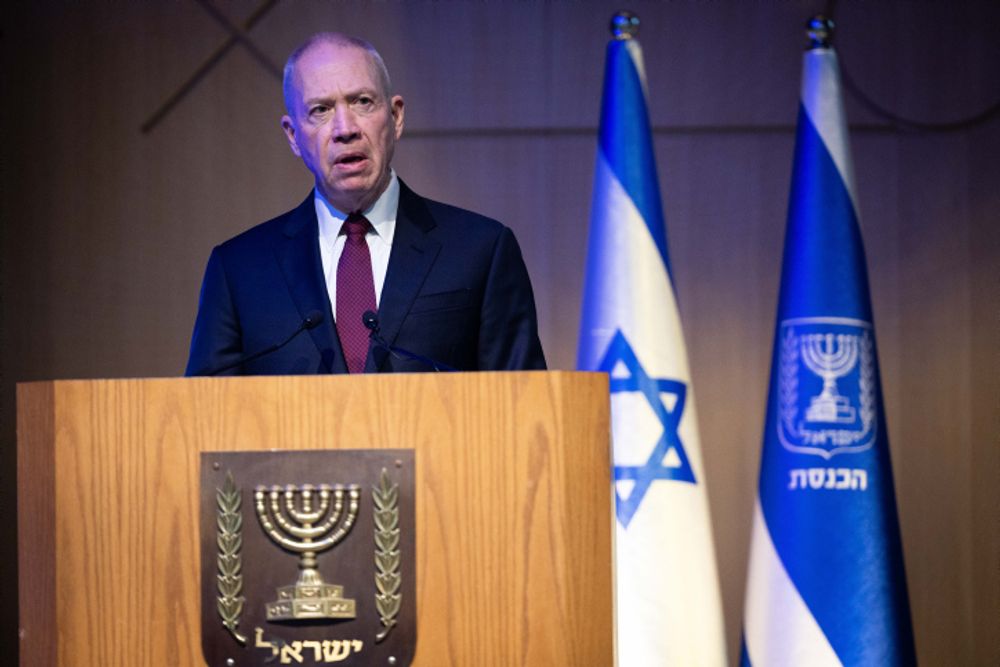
{"points": [[216, 341], [508, 332]]}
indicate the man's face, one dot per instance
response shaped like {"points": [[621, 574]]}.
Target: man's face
{"points": [[342, 125]]}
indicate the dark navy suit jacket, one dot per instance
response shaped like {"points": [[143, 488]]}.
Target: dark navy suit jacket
{"points": [[456, 291]]}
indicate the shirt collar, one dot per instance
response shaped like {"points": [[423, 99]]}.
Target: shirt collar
{"points": [[381, 214]]}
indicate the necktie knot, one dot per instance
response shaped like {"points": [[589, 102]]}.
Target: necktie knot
{"points": [[356, 227]]}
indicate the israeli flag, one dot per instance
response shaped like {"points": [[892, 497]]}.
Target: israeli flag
{"points": [[668, 607], [826, 584]]}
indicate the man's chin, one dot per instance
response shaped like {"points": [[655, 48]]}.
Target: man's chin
{"points": [[351, 195]]}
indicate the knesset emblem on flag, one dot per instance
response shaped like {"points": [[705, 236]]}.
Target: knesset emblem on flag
{"points": [[827, 385]]}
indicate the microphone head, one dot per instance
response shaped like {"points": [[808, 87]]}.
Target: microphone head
{"points": [[370, 320], [313, 319]]}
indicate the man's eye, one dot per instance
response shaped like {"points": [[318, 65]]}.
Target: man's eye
{"points": [[365, 101], [319, 109]]}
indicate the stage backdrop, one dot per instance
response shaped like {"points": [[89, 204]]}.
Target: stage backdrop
{"points": [[106, 228]]}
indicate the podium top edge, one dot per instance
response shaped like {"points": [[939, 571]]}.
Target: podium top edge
{"points": [[368, 377]]}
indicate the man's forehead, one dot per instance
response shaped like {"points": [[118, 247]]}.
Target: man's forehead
{"points": [[327, 64]]}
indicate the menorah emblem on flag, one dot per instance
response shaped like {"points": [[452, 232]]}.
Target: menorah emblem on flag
{"points": [[830, 356], [815, 353]]}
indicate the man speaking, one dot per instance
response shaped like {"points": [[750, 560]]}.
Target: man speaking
{"points": [[303, 292]]}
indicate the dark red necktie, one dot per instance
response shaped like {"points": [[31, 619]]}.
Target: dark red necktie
{"points": [[355, 292]]}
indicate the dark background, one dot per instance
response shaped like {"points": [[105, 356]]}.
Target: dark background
{"points": [[106, 229]]}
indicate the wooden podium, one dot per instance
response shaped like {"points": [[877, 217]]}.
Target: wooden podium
{"points": [[513, 507]]}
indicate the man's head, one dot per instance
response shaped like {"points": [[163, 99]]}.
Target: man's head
{"points": [[342, 118]]}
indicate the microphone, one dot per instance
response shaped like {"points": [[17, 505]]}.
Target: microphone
{"points": [[370, 320], [312, 320]]}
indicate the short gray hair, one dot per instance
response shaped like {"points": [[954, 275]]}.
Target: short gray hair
{"points": [[338, 39]]}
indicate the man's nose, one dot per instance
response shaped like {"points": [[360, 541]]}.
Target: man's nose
{"points": [[345, 127]]}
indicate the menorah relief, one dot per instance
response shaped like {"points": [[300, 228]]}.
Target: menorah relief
{"points": [[308, 520], [830, 356]]}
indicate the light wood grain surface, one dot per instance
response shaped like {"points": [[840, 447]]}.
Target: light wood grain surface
{"points": [[513, 507]]}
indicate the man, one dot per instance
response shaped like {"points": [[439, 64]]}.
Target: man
{"points": [[445, 283]]}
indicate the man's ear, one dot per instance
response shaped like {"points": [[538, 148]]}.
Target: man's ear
{"points": [[288, 125], [396, 107]]}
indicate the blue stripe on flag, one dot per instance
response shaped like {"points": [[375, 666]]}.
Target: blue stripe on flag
{"points": [[822, 232], [744, 656], [627, 142]]}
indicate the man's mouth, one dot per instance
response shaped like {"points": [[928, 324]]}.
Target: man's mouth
{"points": [[350, 160]]}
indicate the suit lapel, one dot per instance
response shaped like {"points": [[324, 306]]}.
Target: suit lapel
{"points": [[298, 257], [413, 253]]}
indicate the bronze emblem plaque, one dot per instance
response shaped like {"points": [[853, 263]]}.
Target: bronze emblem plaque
{"points": [[308, 558]]}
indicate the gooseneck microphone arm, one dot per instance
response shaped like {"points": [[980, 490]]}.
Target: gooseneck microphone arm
{"points": [[370, 320], [312, 320]]}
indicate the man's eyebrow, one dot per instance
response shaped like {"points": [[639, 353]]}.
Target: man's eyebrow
{"points": [[350, 95], [321, 99], [368, 92]]}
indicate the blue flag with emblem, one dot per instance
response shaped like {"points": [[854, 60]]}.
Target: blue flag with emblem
{"points": [[826, 584], [667, 595]]}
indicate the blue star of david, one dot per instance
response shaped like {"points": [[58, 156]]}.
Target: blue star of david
{"points": [[653, 469]]}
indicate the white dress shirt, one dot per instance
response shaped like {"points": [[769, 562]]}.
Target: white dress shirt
{"points": [[381, 215]]}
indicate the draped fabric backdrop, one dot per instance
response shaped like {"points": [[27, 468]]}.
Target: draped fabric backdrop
{"points": [[106, 229]]}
